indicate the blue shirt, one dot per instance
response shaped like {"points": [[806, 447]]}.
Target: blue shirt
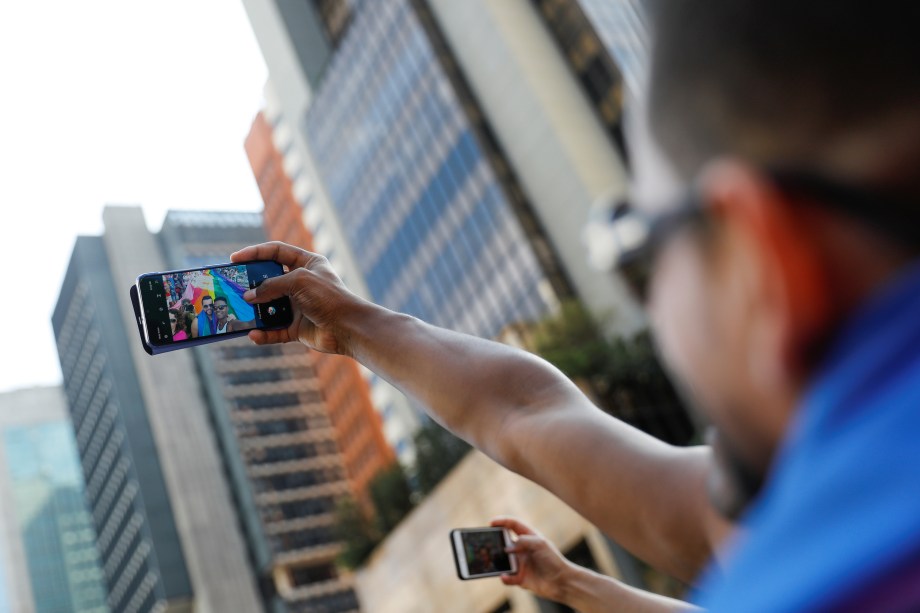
{"points": [[837, 527]]}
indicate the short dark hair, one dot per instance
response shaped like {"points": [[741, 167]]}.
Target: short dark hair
{"points": [[207, 297], [222, 298], [777, 81]]}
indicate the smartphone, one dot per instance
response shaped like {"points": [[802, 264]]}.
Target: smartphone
{"points": [[480, 552], [184, 308]]}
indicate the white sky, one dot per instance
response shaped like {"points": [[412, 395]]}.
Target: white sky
{"points": [[111, 101]]}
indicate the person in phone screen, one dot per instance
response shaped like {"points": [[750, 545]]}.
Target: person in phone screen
{"points": [[227, 321], [482, 563], [177, 323], [206, 322]]}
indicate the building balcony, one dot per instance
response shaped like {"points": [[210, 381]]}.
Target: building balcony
{"points": [[335, 488]]}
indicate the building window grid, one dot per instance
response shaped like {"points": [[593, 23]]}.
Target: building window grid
{"points": [[426, 121], [622, 28], [108, 449], [110, 517]]}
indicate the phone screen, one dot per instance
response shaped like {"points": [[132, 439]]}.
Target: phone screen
{"points": [[483, 550], [182, 306]]}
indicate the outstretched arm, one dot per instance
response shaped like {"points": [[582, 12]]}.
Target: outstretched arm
{"points": [[515, 407]]}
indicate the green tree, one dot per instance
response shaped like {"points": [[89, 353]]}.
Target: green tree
{"points": [[623, 374], [360, 528], [391, 496], [357, 533], [437, 452]]}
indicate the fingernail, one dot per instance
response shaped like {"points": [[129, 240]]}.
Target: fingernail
{"points": [[249, 295]]}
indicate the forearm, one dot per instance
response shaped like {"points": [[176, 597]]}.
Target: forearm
{"points": [[469, 384], [528, 416], [590, 592]]}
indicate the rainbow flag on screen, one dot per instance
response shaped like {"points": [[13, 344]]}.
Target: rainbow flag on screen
{"points": [[234, 293]]}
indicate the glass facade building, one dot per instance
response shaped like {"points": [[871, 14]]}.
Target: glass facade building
{"points": [[420, 196], [57, 532], [623, 28], [605, 43]]}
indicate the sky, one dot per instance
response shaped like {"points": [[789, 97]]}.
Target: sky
{"points": [[111, 102]]}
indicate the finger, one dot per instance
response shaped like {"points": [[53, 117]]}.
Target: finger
{"points": [[287, 255], [270, 337], [512, 579], [526, 543], [275, 287], [511, 523]]}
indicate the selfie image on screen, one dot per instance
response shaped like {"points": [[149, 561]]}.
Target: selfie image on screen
{"points": [[208, 302], [485, 552]]}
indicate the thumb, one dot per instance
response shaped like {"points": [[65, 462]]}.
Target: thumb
{"points": [[274, 288]]}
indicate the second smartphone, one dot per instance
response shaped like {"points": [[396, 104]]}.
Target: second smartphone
{"points": [[196, 306], [480, 552]]}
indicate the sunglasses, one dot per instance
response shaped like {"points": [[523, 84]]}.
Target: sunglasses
{"points": [[640, 237], [222, 307], [172, 320]]}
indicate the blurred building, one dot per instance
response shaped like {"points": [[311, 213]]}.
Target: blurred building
{"points": [[605, 44], [167, 533], [347, 394], [296, 428], [234, 455], [47, 539], [136, 531], [283, 174], [458, 153]]}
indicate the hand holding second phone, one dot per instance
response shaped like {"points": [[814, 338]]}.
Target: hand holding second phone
{"points": [[541, 567]]}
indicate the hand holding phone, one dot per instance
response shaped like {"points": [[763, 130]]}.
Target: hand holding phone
{"points": [[480, 552], [185, 308]]}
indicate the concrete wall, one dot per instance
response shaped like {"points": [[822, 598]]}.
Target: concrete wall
{"points": [[548, 129], [413, 570]]}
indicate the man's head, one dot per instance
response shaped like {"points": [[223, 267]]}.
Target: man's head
{"points": [[746, 301], [207, 304], [221, 308]]}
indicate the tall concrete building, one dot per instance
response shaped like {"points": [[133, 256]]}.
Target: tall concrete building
{"points": [[48, 557], [245, 451], [166, 531], [295, 428]]}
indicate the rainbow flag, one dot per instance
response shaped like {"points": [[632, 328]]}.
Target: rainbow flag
{"points": [[234, 293]]}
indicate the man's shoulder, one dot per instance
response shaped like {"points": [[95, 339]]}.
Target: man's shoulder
{"points": [[839, 515]]}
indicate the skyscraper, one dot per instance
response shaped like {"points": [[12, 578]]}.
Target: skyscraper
{"points": [[295, 428], [293, 199], [464, 176], [410, 173], [165, 527], [48, 540], [456, 149], [346, 391]]}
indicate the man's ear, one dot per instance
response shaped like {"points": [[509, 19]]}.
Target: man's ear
{"points": [[791, 266]]}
